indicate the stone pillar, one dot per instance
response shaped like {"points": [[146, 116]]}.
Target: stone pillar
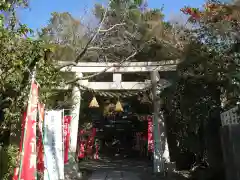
{"points": [[164, 140], [71, 169], [161, 152], [76, 94], [158, 160]]}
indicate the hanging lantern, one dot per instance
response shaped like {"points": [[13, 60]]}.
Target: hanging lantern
{"points": [[94, 103], [118, 107]]}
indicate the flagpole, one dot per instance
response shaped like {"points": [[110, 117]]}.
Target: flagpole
{"points": [[26, 122]]}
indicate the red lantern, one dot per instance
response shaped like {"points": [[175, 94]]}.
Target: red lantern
{"points": [[82, 150]]}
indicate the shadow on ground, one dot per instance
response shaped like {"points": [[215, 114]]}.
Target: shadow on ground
{"points": [[123, 168]]}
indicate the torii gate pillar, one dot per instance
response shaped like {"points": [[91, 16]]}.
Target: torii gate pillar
{"points": [[161, 152], [75, 116]]}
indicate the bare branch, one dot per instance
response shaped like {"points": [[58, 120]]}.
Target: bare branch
{"points": [[105, 48], [66, 65], [99, 30], [107, 68], [94, 36], [111, 28]]}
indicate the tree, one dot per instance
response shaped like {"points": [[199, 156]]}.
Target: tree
{"points": [[208, 73], [66, 34], [143, 30], [126, 32], [219, 30], [19, 56]]}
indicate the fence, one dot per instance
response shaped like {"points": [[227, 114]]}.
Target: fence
{"points": [[230, 133]]}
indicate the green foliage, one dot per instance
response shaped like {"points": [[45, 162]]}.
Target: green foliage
{"points": [[216, 53], [66, 35], [208, 73], [143, 31], [19, 56], [12, 154]]}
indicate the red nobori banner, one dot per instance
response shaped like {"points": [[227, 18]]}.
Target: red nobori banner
{"points": [[150, 134], [27, 169], [67, 121], [40, 151]]}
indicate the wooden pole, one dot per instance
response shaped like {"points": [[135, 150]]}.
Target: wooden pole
{"points": [[158, 159]]}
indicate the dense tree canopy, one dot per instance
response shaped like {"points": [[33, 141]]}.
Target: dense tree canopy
{"points": [[218, 40], [126, 30], [208, 82], [19, 55]]}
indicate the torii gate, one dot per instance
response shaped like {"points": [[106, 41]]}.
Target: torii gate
{"points": [[161, 154]]}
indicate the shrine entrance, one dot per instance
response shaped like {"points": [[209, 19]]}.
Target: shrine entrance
{"points": [[122, 125], [125, 114]]}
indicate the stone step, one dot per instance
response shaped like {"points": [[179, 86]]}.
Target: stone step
{"points": [[113, 175]]}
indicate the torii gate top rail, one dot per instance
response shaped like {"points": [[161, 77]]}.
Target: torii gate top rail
{"points": [[90, 67]]}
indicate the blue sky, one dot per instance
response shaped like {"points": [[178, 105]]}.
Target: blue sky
{"points": [[39, 13]]}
